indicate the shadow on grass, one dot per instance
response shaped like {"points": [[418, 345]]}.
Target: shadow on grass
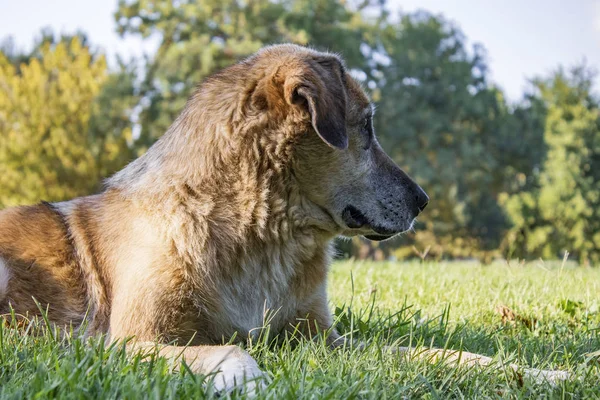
{"points": [[543, 344], [38, 362]]}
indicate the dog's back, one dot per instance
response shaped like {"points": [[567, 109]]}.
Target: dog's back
{"points": [[38, 264]]}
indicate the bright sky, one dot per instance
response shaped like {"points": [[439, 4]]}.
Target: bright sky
{"points": [[524, 38]]}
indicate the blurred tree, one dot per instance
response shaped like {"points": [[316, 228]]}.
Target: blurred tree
{"points": [[110, 128], [55, 109], [46, 37], [561, 212]]}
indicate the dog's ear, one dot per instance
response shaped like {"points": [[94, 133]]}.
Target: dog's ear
{"points": [[320, 90]]}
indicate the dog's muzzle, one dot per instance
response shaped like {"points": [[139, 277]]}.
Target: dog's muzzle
{"points": [[355, 219]]}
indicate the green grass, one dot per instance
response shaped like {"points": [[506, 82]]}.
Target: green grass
{"points": [[556, 325]]}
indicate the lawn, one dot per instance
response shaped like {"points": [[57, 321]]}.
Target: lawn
{"points": [[540, 315]]}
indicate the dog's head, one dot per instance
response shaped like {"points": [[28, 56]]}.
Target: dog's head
{"points": [[338, 163]]}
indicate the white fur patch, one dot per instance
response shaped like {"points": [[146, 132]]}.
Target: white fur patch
{"points": [[540, 376], [4, 278], [65, 207], [237, 370]]}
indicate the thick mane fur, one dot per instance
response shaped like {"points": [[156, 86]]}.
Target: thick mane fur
{"points": [[224, 171]]}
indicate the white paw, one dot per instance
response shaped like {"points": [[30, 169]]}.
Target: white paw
{"points": [[553, 378], [244, 375], [236, 369]]}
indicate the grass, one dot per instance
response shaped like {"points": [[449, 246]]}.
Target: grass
{"points": [[550, 319]]}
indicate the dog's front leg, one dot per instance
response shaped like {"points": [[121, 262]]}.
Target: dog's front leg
{"points": [[231, 367], [316, 318], [457, 357]]}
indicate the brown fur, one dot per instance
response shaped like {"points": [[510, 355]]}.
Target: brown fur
{"points": [[227, 219]]}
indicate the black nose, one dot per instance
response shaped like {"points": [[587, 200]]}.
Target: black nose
{"points": [[421, 199]]}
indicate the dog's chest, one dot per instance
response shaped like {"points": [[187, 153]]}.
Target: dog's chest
{"points": [[258, 297], [266, 291]]}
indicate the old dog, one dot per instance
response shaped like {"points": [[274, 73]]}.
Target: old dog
{"points": [[230, 214]]}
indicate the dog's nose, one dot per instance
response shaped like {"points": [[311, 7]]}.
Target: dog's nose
{"points": [[422, 199]]}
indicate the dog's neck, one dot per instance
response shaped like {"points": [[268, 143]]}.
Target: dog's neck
{"points": [[238, 184]]}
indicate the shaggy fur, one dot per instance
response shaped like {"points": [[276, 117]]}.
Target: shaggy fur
{"points": [[228, 218]]}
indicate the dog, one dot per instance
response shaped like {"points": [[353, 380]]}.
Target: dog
{"points": [[230, 214]]}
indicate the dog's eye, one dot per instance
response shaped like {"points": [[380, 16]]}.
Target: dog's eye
{"points": [[367, 130], [367, 125]]}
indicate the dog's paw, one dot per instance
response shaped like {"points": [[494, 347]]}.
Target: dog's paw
{"points": [[553, 378], [234, 369], [239, 374]]}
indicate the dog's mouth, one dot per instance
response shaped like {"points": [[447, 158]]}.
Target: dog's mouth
{"points": [[379, 238], [355, 219]]}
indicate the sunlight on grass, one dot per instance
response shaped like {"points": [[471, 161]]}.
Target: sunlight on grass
{"points": [[539, 315]]}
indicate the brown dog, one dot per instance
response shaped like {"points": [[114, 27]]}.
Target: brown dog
{"points": [[230, 214]]}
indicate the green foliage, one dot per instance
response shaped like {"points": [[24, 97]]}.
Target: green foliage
{"points": [[45, 108], [64, 120], [110, 128], [561, 212]]}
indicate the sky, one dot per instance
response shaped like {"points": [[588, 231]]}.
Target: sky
{"points": [[523, 38]]}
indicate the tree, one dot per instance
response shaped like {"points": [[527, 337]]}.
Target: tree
{"points": [[562, 211], [48, 151], [111, 125]]}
